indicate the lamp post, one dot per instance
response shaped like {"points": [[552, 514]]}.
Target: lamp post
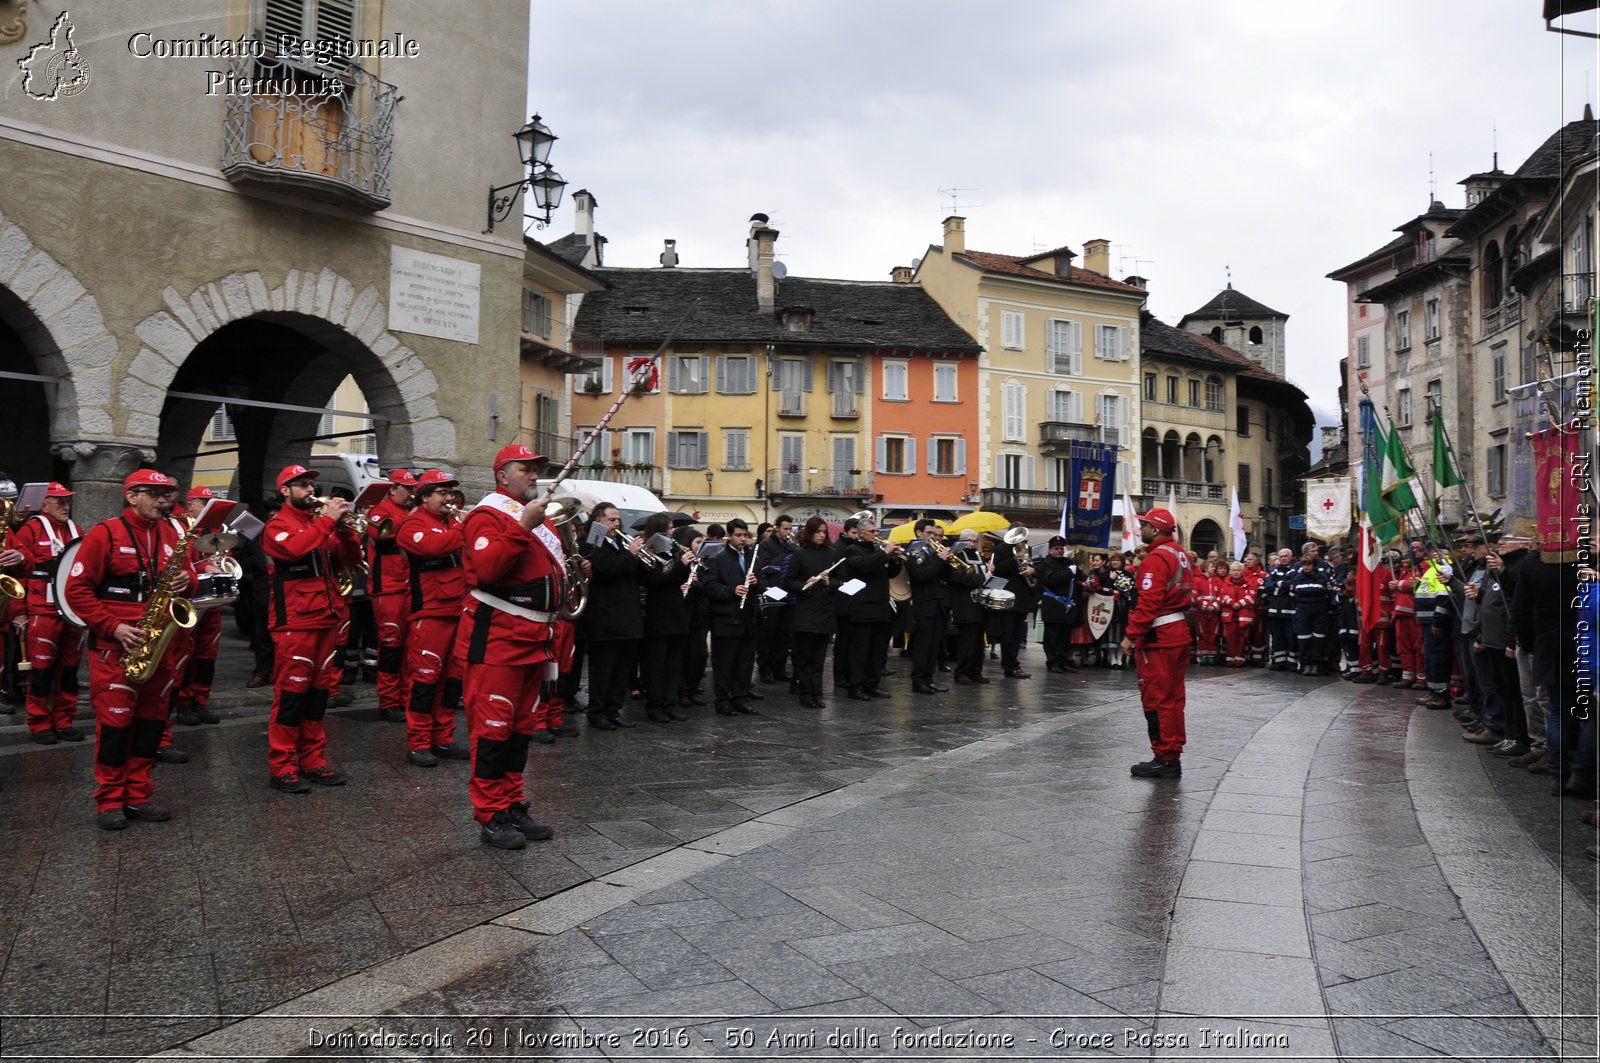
{"points": [[533, 147]]}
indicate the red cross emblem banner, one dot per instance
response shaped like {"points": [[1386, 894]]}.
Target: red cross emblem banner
{"points": [[1328, 509], [1090, 487]]}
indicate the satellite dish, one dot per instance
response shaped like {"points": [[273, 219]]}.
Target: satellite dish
{"points": [[916, 263], [779, 271]]}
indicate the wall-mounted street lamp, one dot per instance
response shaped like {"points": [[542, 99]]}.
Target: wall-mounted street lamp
{"points": [[709, 475], [545, 185]]}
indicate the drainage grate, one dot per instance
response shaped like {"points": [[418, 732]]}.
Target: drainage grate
{"points": [[745, 749]]}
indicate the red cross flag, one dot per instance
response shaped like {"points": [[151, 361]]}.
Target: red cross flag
{"points": [[1328, 508]]}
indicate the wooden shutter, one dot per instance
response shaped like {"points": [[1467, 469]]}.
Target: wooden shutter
{"points": [[834, 374], [961, 457], [1122, 343], [881, 458], [805, 368], [1077, 348], [910, 465], [861, 378], [1027, 473]]}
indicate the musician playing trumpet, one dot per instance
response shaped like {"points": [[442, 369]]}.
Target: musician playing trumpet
{"points": [[614, 621], [431, 539], [873, 562], [191, 709], [931, 568], [389, 588], [305, 549], [117, 568], [971, 616]]}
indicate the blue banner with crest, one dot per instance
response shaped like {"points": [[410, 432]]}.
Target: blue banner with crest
{"points": [[1091, 488]]}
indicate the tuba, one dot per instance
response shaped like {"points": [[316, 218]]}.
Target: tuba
{"points": [[10, 586], [163, 615], [574, 596]]}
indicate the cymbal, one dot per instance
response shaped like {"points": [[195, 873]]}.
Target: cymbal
{"points": [[216, 542]]}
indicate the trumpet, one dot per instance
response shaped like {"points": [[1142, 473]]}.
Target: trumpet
{"points": [[10, 586]]}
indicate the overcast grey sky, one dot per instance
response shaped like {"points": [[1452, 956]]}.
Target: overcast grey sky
{"points": [[1283, 139]]}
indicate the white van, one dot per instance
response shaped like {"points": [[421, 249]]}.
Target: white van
{"points": [[634, 503], [345, 475]]}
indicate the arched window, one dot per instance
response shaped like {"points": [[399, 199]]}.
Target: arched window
{"points": [[1493, 276], [1255, 335]]}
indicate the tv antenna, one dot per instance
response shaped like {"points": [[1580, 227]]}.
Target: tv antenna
{"points": [[955, 198]]}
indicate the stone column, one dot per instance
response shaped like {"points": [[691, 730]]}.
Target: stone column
{"points": [[98, 469]]}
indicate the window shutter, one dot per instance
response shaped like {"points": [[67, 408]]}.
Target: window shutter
{"points": [[722, 374], [833, 376], [882, 462], [805, 368], [911, 455], [1000, 471], [1053, 354], [1124, 422], [1027, 472], [1077, 348], [933, 455], [1122, 343], [674, 373], [705, 448], [779, 373], [605, 376], [861, 378], [961, 457]]}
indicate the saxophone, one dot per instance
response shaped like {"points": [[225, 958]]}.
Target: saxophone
{"points": [[163, 615]]}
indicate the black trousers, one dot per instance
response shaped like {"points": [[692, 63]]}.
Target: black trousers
{"points": [[662, 662], [1504, 685], [732, 658], [841, 650], [611, 665], [567, 682], [1310, 627], [969, 650], [695, 657], [772, 640], [1009, 628], [809, 652], [869, 643], [927, 634], [1057, 644]]}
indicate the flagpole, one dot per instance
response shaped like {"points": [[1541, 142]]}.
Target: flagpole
{"points": [[1427, 523], [1436, 410]]}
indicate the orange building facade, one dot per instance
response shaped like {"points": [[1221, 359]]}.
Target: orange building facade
{"points": [[925, 428]]}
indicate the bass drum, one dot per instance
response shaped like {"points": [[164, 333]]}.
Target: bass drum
{"points": [[64, 566]]}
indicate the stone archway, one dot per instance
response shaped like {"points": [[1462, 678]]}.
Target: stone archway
{"points": [[1206, 536], [326, 310], [57, 324]]}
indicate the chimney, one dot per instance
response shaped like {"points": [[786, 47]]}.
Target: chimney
{"points": [[900, 274], [1140, 282], [584, 203], [669, 254], [762, 242], [955, 234], [1097, 257]]}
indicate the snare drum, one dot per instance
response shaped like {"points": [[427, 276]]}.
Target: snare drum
{"points": [[994, 599], [214, 590]]}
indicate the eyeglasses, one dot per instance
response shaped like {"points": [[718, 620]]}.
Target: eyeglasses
{"points": [[157, 492]]}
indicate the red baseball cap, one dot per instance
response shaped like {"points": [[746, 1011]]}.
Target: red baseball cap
{"points": [[1160, 518], [402, 478], [434, 477], [516, 452], [295, 472], [56, 490], [146, 478], [199, 492]]}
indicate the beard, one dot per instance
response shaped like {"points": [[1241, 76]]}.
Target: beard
{"points": [[308, 502]]}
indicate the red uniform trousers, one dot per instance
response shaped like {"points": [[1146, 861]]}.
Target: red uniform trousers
{"points": [[1408, 646], [1207, 623], [435, 674], [180, 650], [302, 681], [341, 636], [551, 710], [128, 721], [1161, 691], [389, 614], [1375, 642], [500, 703], [203, 661], [53, 651], [1235, 635]]}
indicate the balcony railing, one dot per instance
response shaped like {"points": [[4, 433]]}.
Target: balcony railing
{"points": [[1010, 500], [327, 133], [802, 482], [1060, 433], [845, 404], [1171, 412], [1186, 490], [791, 404], [1503, 316], [645, 476], [1576, 291]]}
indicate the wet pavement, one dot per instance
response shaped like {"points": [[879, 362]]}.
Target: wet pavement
{"points": [[973, 875]]}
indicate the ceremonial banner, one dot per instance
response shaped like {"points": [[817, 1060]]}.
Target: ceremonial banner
{"points": [[1556, 493], [1368, 587], [1328, 508], [1091, 486], [1101, 607], [1241, 541]]}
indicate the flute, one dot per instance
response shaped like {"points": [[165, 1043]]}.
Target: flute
{"points": [[824, 572], [749, 578]]}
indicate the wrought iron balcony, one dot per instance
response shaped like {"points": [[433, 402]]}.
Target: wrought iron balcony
{"points": [[1061, 433], [1011, 500], [805, 481], [327, 133]]}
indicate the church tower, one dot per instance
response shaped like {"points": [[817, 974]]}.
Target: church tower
{"points": [[1237, 321]]}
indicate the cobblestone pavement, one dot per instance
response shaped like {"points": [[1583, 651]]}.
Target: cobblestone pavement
{"points": [[970, 875]]}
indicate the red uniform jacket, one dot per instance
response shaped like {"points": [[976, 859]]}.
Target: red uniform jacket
{"points": [[305, 554], [41, 541], [505, 561], [1238, 601], [1166, 590], [1255, 577], [1207, 593], [1386, 597], [432, 548], [388, 566], [116, 568], [1405, 600]]}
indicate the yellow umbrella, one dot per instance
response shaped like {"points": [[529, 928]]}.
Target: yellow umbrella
{"points": [[904, 533], [979, 521]]}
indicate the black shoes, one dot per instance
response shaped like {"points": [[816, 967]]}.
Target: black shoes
{"points": [[859, 695], [754, 695], [599, 722], [187, 716], [146, 813], [741, 709], [111, 819], [876, 692], [45, 738], [324, 776], [622, 721], [341, 699], [422, 758], [531, 829], [502, 832], [1017, 673], [1157, 769], [928, 688], [69, 734], [690, 699], [290, 782], [453, 751], [171, 755], [723, 710], [568, 729], [542, 736], [658, 717]]}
